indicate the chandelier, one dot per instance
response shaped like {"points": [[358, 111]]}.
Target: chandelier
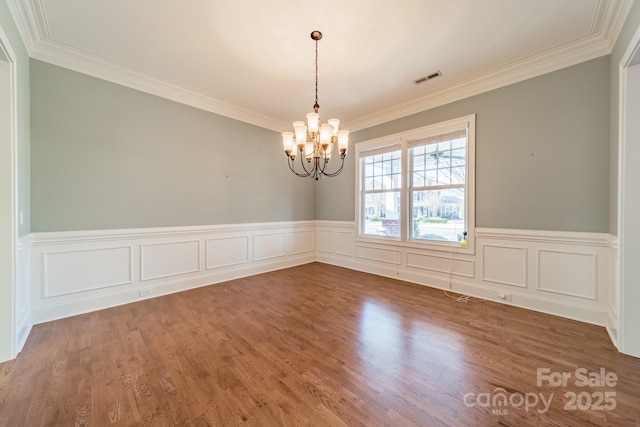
{"points": [[325, 139]]}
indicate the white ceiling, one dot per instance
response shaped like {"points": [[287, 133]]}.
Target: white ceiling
{"points": [[253, 60]]}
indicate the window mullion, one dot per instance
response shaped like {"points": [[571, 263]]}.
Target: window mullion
{"points": [[405, 212]]}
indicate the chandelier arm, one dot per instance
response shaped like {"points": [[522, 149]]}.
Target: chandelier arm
{"points": [[302, 175], [302, 160], [323, 162], [336, 173], [310, 171]]}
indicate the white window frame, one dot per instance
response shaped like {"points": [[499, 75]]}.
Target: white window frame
{"points": [[365, 148]]}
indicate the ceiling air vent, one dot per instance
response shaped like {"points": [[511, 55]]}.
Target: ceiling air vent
{"points": [[429, 77]]}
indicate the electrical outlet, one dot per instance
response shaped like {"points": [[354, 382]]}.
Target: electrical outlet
{"points": [[504, 296], [145, 292]]}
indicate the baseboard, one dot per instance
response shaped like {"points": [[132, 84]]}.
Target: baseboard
{"points": [[23, 330], [612, 328], [100, 301], [593, 315]]}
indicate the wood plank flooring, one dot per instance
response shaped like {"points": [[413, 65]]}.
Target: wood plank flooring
{"points": [[316, 345]]}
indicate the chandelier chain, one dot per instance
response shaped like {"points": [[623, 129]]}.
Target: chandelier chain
{"points": [[316, 106]]}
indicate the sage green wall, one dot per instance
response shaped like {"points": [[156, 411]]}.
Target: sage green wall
{"points": [[104, 156], [630, 27], [23, 131], [542, 153]]}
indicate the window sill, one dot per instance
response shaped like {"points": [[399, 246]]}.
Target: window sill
{"points": [[432, 245]]}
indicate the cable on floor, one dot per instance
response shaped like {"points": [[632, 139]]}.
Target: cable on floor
{"points": [[460, 297]]}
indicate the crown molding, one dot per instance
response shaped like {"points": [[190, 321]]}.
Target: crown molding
{"points": [[31, 22], [83, 62], [609, 18], [24, 17], [608, 23], [533, 66], [613, 19]]}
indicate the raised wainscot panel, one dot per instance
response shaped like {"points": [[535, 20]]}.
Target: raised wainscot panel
{"points": [[325, 240], [568, 273], [227, 251], [266, 246], [301, 242], [85, 270], [505, 265], [378, 254], [169, 259], [343, 243], [441, 264]]}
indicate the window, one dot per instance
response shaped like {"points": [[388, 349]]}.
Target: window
{"points": [[418, 186], [381, 192]]}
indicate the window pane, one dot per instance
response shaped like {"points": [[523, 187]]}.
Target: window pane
{"points": [[438, 214], [431, 160], [458, 143], [397, 166], [377, 183], [418, 179], [382, 168], [430, 178], [387, 184], [444, 146], [458, 175], [443, 163], [458, 157], [396, 180], [430, 150], [382, 214], [368, 184]]}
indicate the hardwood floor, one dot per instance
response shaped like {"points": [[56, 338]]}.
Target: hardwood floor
{"points": [[317, 345]]}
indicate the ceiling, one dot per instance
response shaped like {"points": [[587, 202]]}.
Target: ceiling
{"points": [[253, 60]]}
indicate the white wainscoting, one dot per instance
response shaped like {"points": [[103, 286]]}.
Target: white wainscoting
{"points": [[563, 273], [81, 271]]}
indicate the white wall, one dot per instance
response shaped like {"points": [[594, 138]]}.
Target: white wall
{"points": [[7, 206], [629, 293]]}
